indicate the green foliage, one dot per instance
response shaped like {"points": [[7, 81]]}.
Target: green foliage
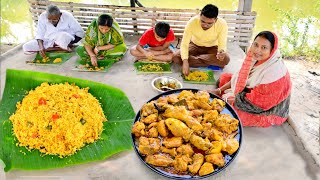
{"points": [[12, 12], [5, 30], [299, 33], [317, 5], [313, 54]]}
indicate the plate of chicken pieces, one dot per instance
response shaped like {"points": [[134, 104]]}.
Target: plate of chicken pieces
{"points": [[186, 134]]}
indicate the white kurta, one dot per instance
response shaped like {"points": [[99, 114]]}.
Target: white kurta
{"points": [[60, 35]]}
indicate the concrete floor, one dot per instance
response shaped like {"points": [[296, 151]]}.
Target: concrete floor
{"points": [[271, 153]]}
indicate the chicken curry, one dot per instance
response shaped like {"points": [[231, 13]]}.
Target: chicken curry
{"points": [[186, 140]]}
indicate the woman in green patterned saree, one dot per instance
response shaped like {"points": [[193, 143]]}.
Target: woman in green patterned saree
{"points": [[103, 39]]}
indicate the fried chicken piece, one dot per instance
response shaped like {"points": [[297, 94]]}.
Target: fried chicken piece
{"points": [[162, 106], [211, 133], [200, 143], [230, 146], [202, 104], [150, 119], [205, 169], [177, 112], [216, 135], [216, 159], [148, 109], [199, 119], [194, 124], [196, 113], [216, 147], [210, 116], [154, 124], [203, 96], [187, 95], [218, 104], [180, 163], [152, 133], [181, 113], [172, 151], [148, 146], [162, 129], [226, 123], [178, 128], [138, 129], [191, 105], [162, 160], [197, 160], [185, 149], [172, 142], [202, 100], [173, 98], [207, 127], [163, 100]]}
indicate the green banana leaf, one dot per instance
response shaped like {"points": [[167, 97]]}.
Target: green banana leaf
{"points": [[105, 63], [211, 79], [165, 66], [65, 56], [115, 138]]}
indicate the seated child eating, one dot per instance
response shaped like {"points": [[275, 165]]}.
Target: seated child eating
{"points": [[155, 44]]}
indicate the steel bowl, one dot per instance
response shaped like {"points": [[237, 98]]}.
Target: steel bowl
{"points": [[158, 83]]}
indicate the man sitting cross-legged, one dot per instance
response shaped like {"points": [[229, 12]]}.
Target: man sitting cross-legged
{"points": [[204, 41], [56, 30]]}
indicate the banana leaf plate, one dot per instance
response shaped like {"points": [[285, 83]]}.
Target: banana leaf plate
{"points": [[210, 80], [85, 65], [227, 158], [115, 137], [52, 56], [166, 67]]}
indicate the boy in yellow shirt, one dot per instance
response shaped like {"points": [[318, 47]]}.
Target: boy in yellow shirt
{"points": [[204, 41]]}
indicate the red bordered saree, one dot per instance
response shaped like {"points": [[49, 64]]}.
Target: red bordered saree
{"points": [[261, 90]]}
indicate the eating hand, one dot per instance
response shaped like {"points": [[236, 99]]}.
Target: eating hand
{"points": [[185, 67], [42, 53], [96, 50], [94, 60], [221, 55], [149, 55], [215, 91]]}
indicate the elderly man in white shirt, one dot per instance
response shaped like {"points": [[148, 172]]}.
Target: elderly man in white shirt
{"points": [[56, 30]]}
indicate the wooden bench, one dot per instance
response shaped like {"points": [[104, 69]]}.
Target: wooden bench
{"points": [[135, 20]]}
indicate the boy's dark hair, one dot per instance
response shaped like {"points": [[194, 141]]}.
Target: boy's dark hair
{"points": [[105, 20], [162, 29], [269, 36], [210, 11]]}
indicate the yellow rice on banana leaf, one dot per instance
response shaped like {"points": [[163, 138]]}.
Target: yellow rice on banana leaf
{"points": [[197, 76], [58, 119]]}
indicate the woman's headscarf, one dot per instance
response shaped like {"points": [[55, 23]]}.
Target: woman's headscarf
{"points": [[253, 73]]}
